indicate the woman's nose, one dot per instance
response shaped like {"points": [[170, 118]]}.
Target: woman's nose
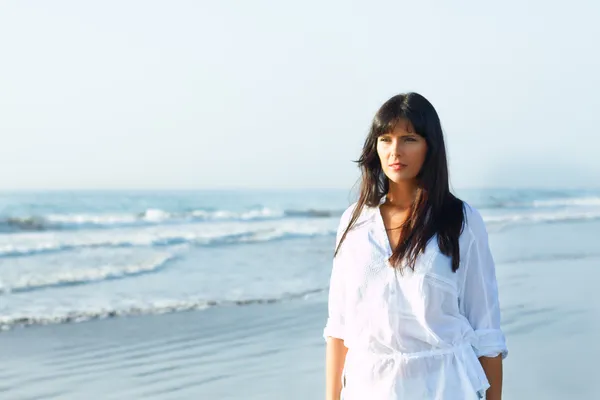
{"points": [[398, 148]]}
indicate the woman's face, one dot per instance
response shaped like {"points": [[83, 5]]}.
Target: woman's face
{"points": [[401, 152]]}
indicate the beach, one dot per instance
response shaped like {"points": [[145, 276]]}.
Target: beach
{"points": [[260, 351], [269, 345]]}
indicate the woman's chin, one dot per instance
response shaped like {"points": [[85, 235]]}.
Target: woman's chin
{"points": [[400, 177]]}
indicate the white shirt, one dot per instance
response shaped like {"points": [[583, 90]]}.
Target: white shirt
{"points": [[416, 335]]}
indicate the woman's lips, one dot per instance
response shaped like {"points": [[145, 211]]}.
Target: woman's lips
{"points": [[397, 167]]}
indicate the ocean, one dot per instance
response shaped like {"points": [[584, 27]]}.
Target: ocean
{"points": [[221, 294]]}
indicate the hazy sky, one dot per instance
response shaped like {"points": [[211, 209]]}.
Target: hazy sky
{"points": [[201, 94]]}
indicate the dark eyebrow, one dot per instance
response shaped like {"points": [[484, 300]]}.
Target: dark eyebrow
{"points": [[409, 134]]}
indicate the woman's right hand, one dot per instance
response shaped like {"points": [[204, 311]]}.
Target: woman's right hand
{"points": [[335, 357]]}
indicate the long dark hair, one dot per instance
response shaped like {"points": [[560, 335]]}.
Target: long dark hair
{"points": [[435, 209]]}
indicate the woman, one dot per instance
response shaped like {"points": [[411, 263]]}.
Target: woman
{"points": [[413, 299]]}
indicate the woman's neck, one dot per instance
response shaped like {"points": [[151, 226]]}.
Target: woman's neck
{"points": [[401, 195]]}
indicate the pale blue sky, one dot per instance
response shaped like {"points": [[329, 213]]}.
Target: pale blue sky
{"points": [[202, 94]]}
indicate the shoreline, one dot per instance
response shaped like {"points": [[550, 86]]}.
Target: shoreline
{"points": [[189, 354]]}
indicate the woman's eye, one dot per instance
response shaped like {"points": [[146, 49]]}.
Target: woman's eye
{"points": [[406, 139]]}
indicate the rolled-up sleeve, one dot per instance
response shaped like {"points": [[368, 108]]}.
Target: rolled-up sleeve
{"points": [[479, 300], [335, 326], [336, 303]]}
